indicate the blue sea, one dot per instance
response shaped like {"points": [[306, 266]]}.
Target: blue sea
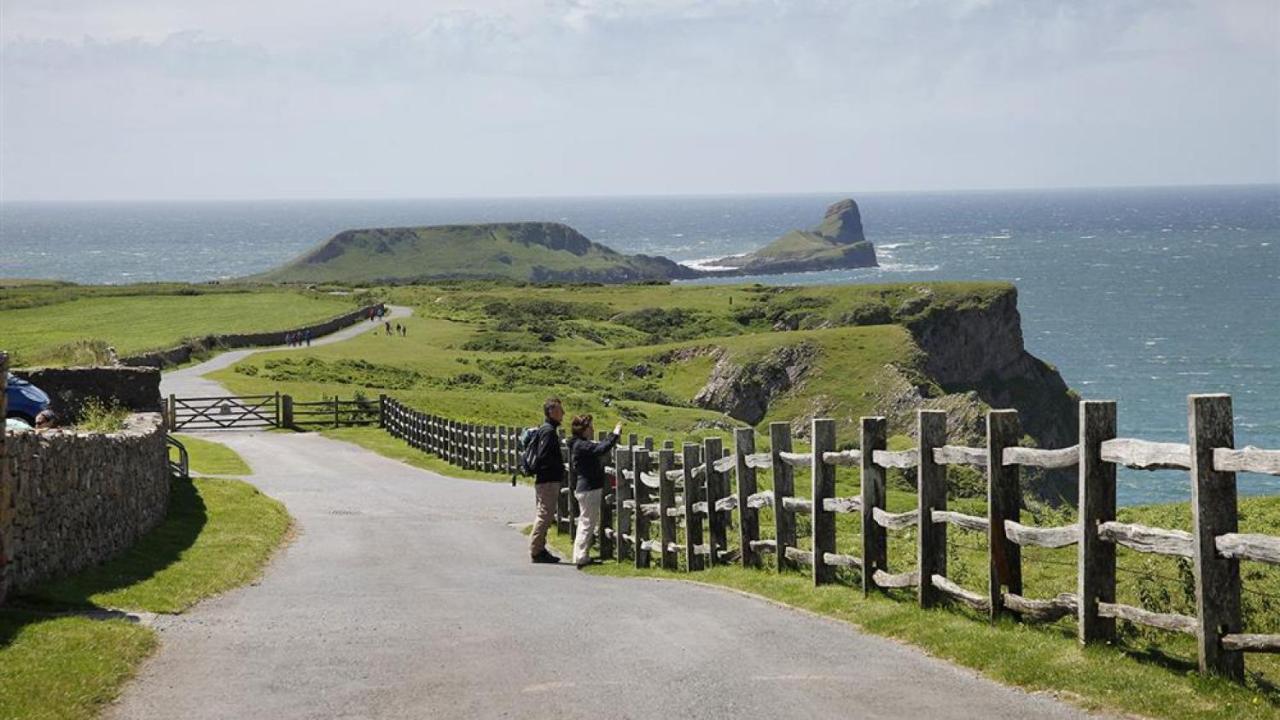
{"points": [[1138, 295]]}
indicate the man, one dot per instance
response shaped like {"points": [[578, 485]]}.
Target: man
{"points": [[548, 472]]}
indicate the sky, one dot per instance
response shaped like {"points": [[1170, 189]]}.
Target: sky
{"points": [[259, 99]]}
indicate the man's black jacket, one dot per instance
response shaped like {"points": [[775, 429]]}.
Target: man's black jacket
{"points": [[550, 461]]}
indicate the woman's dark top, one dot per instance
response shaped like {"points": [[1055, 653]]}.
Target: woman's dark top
{"points": [[588, 461]]}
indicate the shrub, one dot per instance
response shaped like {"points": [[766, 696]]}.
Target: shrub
{"points": [[101, 416]]}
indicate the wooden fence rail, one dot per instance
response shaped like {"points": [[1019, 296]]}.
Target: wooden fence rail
{"points": [[666, 491]]}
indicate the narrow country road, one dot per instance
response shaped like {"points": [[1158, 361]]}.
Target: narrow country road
{"points": [[410, 595]]}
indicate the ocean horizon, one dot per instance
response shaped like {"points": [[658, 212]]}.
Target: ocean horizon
{"points": [[1141, 295]]}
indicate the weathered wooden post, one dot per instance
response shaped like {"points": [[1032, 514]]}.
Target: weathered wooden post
{"points": [[277, 406], [286, 411], [824, 486], [640, 465], [1214, 513], [1097, 558], [692, 523], [622, 493], [382, 411], [717, 532], [744, 444], [564, 501], [336, 419], [931, 494], [874, 545], [172, 412], [648, 443], [603, 539], [784, 486], [491, 448], [666, 508], [1004, 500]]}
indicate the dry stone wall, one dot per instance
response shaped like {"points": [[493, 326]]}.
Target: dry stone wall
{"points": [[135, 388], [77, 499], [182, 353]]}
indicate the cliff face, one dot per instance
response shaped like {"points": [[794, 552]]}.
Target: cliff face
{"points": [[980, 351]]}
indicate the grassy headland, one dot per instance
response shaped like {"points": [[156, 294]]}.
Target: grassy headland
{"points": [[59, 324]]}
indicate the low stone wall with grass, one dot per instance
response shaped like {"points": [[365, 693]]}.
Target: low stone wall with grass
{"points": [[133, 388], [76, 499], [184, 352]]}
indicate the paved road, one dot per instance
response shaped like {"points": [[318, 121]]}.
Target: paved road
{"points": [[409, 595]]}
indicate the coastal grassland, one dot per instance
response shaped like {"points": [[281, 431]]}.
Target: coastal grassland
{"points": [[486, 352], [66, 325], [1147, 672], [217, 535]]}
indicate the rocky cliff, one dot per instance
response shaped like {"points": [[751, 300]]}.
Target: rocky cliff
{"points": [[838, 242]]}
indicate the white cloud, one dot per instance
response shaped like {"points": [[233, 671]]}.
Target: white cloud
{"points": [[241, 99]]}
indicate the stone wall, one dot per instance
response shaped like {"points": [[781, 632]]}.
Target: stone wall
{"points": [[182, 353], [77, 499], [135, 388]]}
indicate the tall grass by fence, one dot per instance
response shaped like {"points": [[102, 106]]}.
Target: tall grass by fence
{"points": [[655, 489]]}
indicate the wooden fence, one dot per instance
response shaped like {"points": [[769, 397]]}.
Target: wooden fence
{"points": [[656, 489]]}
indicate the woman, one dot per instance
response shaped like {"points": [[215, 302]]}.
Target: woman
{"points": [[588, 469]]}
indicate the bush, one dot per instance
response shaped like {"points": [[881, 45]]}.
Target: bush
{"points": [[102, 417]]}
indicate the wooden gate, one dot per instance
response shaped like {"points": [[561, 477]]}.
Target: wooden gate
{"points": [[224, 413]]}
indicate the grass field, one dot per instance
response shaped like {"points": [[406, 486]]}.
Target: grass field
{"points": [[76, 325], [218, 535], [212, 458]]}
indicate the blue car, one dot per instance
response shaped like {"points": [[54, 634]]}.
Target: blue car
{"points": [[25, 401]]}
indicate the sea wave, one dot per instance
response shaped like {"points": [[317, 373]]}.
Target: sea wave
{"points": [[704, 264]]}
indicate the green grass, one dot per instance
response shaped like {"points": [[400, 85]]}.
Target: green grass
{"points": [[377, 440], [1120, 678], [218, 535], [213, 458], [55, 332], [65, 668]]}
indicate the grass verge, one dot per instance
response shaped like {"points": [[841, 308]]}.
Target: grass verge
{"points": [[377, 440], [65, 667], [211, 458]]}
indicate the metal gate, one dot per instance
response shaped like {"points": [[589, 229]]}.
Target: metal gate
{"points": [[224, 413]]}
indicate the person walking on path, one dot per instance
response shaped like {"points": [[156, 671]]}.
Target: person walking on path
{"points": [[588, 465], [548, 471], [306, 334]]}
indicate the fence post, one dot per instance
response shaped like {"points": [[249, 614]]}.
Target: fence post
{"points": [[382, 411], [564, 517], [286, 410], [621, 493], [570, 484], [824, 486], [783, 487], [874, 546], [666, 502], [335, 410], [606, 513], [692, 523], [173, 412], [931, 494], [278, 409], [501, 440], [639, 464], [1097, 558], [1004, 498], [717, 533], [744, 444], [1214, 513]]}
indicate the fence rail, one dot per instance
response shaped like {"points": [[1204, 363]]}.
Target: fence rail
{"points": [[656, 491]]}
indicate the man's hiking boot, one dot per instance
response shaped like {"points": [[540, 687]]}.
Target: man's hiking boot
{"points": [[587, 563], [545, 557]]}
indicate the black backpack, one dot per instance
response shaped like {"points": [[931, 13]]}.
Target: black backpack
{"points": [[528, 446]]}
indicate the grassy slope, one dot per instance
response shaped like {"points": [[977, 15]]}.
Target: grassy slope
{"points": [[438, 252], [45, 333], [218, 535], [599, 334]]}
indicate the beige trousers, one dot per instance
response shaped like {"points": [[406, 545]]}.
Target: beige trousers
{"points": [[588, 523], [546, 494]]}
